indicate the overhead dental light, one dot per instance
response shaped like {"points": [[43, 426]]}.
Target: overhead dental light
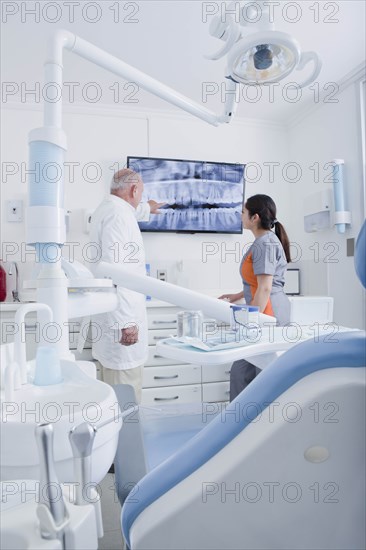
{"points": [[256, 53]]}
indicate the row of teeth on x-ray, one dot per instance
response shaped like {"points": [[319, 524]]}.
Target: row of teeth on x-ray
{"points": [[197, 219], [153, 170], [192, 192]]}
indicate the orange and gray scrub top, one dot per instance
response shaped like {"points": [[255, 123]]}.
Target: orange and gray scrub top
{"points": [[267, 257]]}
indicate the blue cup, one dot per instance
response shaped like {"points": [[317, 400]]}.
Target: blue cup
{"points": [[48, 367]]}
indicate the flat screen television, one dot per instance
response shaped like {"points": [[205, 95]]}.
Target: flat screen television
{"points": [[199, 196]]}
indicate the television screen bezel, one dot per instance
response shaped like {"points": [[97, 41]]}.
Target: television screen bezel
{"points": [[184, 231]]}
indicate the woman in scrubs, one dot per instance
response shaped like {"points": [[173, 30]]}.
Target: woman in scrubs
{"points": [[262, 270]]}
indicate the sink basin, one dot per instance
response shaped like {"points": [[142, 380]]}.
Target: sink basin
{"points": [[79, 398]]}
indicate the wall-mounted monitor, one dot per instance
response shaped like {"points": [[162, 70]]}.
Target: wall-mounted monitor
{"points": [[199, 196]]}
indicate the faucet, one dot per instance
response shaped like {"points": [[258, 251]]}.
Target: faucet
{"points": [[10, 272]]}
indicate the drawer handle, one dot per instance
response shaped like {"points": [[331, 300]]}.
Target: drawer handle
{"points": [[163, 322], [166, 398], [159, 337], [228, 371], [166, 377], [158, 357]]}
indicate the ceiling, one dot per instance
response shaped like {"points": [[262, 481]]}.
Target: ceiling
{"points": [[168, 40]]}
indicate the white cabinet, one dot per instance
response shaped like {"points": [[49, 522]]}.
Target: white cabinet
{"points": [[165, 380], [161, 320], [308, 310], [171, 375], [216, 391], [168, 380], [216, 382], [159, 334], [173, 394], [155, 359], [216, 373]]}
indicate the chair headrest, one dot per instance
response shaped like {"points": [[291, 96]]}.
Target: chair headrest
{"points": [[360, 255]]}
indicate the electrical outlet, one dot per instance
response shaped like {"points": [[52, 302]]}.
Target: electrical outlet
{"points": [[162, 275], [14, 211]]}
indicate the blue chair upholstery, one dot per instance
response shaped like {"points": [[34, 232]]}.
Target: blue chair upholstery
{"points": [[360, 255], [313, 455]]}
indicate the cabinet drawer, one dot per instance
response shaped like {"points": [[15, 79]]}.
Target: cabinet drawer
{"points": [[174, 394], [216, 373], [74, 326], [155, 336], [216, 391], [167, 320], [171, 375], [155, 359], [74, 340]]}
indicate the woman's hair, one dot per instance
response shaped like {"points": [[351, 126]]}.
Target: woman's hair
{"points": [[265, 207]]}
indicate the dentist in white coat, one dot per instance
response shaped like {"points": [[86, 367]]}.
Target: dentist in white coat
{"points": [[120, 341]]}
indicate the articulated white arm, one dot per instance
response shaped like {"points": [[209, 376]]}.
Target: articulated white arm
{"points": [[53, 74]]}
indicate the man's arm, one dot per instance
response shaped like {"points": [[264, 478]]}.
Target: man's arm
{"points": [[144, 210]]}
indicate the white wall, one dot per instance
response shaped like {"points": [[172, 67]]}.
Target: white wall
{"points": [[104, 137], [329, 131]]}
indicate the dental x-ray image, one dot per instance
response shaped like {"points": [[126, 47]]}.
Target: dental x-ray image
{"points": [[199, 197]]}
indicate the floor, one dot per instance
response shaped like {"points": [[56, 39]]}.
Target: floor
{"points": [[111, 512]]}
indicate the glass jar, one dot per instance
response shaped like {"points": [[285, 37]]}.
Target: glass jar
{"points": [[190, 324]]}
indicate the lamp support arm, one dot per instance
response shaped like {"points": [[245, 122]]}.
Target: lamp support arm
{"points": [[53, 74]]}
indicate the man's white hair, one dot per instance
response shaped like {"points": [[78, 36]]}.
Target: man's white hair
{"points": [[123, 179]]}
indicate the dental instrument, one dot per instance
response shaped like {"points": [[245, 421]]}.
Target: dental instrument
{"points": [[82, 439], [50, 495], [50, 520]]}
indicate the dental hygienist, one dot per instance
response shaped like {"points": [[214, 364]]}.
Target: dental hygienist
{"points": [[262, 270], [120, 340]]}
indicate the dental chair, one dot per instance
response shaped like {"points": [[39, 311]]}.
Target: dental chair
{"points": [[282, 467]]}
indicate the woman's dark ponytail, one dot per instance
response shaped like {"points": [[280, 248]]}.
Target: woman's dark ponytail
{"points": [[265, 207], [282, 235]]}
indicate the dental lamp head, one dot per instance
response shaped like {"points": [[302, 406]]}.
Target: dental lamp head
{"points": [[260, 54]]}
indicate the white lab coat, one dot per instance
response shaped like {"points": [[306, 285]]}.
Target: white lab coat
{"points": [[142, 212], [115, 230]]}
